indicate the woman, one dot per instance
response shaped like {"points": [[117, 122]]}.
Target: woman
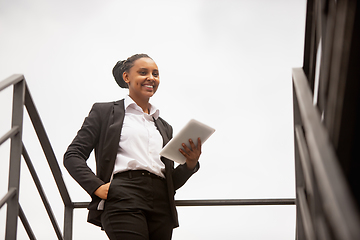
{"points": [[133, 189]]}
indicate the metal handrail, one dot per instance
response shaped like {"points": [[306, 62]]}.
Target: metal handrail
{"points": [[10, 81], [219, 202]]}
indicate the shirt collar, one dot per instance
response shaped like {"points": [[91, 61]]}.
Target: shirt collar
{"points": [[129, 102]]}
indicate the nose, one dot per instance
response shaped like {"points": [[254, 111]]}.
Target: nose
{"points": [[151, 77]]}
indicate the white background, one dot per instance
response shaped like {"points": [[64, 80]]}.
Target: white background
{"points": [[225, 63]]}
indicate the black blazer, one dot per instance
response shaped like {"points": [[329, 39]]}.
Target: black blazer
{"points": [[101, 131]]}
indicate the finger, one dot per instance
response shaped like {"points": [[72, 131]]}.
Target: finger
{"points": [[184, 153], [199, 144], [185, 147], [193, 147]]}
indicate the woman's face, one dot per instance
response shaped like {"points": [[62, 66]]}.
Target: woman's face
{"points": [[142, 78]]}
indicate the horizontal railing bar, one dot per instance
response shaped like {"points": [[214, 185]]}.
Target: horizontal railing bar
{"points": [[305, 214], [218, 202], [12, 132], [46, 146], [81, 204], [13, 79], [234, 202], [11, 193], [41, 192], [340, 209], [26, 224]]}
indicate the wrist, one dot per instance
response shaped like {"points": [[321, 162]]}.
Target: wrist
{"points": [[191, 166]]}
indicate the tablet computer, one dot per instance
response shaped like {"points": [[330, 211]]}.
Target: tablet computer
{"points": [[194, 130]]}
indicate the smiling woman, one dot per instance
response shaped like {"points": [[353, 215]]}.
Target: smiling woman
{"points": [[133, 188], [142, 79]]}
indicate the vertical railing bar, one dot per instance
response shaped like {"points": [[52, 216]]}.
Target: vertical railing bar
{"points": [[26, 224], [41, 192], [15, 159], [47, 149], [68, 222], [12, 132], [308, 35], [326, 57]]}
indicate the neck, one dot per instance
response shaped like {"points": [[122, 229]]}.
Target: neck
{"points": [[143, 103]]}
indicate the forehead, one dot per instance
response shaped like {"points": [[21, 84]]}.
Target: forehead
{"points": [[145, 63]]}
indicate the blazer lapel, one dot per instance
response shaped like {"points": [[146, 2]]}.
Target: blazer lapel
{"points": [[161, 128]]}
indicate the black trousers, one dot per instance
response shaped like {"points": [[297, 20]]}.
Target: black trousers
{"points": [[137, 208]]}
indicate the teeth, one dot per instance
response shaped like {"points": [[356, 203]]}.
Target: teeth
{"points": [[149, 86]]}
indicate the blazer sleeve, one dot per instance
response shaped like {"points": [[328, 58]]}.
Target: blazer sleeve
{"points": [[181, 174], [79, 150]]}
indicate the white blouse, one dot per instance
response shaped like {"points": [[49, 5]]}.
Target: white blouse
{"points": [[140, 141]]}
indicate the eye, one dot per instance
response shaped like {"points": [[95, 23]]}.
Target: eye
{"points": [[142, 72], [155, 73]]}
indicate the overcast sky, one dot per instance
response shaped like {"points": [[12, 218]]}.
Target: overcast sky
{"points": [[225, 63]]}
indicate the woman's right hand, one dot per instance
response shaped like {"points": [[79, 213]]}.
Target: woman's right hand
{"points": [[102, 191]]}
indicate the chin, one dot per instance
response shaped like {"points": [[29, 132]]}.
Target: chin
{"points": [[149, 94]]}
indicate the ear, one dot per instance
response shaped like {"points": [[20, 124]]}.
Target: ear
{"points": [[126, 77]]}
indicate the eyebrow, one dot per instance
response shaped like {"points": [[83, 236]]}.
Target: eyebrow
{"points": [[143, 68]]}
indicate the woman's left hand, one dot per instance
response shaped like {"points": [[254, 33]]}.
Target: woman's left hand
{"points": [[192, 155]]}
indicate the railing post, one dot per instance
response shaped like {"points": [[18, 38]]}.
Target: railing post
{"points": [[15, 159], [68, 222]]}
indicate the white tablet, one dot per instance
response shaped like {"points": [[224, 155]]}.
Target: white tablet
{"points": [[194, 130]]}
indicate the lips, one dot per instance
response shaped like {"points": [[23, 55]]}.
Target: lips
{"points": [[148, 86]]}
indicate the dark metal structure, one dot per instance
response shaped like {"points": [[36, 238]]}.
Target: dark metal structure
{"points": [[327, 122]]}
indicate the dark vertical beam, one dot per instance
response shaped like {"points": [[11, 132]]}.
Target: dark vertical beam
{"points": [[344, 24], [348, 143], [68, 222], [308, 36], [326, 56], [312, 37], [15, 159]]}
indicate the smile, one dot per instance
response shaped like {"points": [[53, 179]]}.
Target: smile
{"points": [[149, 86]]}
